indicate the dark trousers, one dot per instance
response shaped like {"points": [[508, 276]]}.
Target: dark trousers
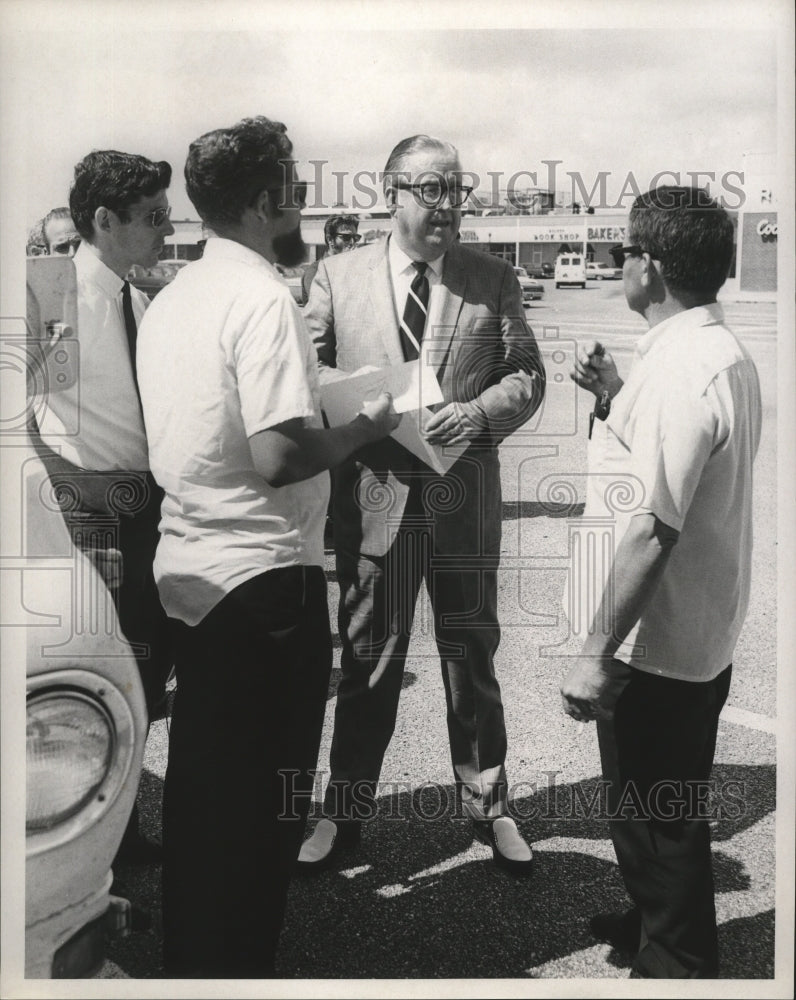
{"points": [[252, 683], [132, 527], [378, 596], [657, 754]]}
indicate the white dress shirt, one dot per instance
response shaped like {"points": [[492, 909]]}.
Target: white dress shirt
{"points": [[97, 423]]}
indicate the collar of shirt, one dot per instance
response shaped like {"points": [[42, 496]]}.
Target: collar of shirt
{"points": [[698, 316], [90, 268], [401, 265], [219, 248]]}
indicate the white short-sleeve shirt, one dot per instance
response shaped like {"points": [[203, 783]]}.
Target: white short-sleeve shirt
{"points": [[679, 442], [223, 353]]}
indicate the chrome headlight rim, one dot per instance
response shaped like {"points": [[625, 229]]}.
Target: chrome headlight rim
{"points": [[69, 699], [102, 693]]}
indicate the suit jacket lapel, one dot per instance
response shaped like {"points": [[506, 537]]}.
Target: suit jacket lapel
{"points": [[451, 299], [383, 305]]}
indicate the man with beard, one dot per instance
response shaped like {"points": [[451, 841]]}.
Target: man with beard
{"points": [[91, 436], [422, 294], [230, 391]]}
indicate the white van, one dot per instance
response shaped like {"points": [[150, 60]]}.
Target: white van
{"points": [[570, 270]]}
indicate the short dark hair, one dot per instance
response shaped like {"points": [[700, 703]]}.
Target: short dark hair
{"points": [[408, 147], [107, 178], [53, 216], [334, 222], [689, 232], [228, 168]]}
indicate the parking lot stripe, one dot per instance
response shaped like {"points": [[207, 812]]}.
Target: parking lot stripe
{"points": [[752, 720]]}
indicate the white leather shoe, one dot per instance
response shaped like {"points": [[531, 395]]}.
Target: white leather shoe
{"points": [[325, 843], [509, 848]]}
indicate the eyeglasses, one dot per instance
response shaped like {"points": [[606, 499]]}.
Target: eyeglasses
{"points": [[65, 248], [348, 237], [156, 217], [431, 194], [618, 253]]}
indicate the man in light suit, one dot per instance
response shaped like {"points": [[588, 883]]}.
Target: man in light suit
{"points": [[396, 522]]}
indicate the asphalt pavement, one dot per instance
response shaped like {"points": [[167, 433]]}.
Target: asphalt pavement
{"points": [[418, 900]]}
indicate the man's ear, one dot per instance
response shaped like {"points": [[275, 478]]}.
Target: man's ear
{"points": [[652, 278], [649, 269], [389, 199], [102, 218], [266, 204]]}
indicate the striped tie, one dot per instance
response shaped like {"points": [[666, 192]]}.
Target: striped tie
{"points": [[414, 320]]}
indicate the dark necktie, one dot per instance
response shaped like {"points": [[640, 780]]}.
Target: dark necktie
{"points": [[414, 319], [130, 328]]}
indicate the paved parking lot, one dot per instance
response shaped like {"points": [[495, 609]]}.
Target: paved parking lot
{"points": [[418, 899]]}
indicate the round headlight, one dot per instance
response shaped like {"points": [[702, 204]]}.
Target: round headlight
{"points": [[70, 741]]}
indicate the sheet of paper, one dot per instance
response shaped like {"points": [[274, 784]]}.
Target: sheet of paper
{"points": [[414, 388], [409, 434], [412, 385]]}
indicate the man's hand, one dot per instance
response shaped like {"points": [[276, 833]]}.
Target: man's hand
{"points": [[455, 423], [380, 415], [595, 370], [592, 687]]}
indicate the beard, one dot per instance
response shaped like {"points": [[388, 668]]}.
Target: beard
{"points": [[290, 248]]}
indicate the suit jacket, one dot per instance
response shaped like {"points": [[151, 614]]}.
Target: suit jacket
{"points": [[485, 357]]}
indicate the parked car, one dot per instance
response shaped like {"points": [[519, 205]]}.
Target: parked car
{"points": [[531, 289], [570, 270], [151, 280], [543, 270], [85, 712], [597, 271]]}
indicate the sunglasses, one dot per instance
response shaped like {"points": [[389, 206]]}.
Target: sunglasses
{"points": [[64, 249], [619, 253], [348, 237], [156, 217]]}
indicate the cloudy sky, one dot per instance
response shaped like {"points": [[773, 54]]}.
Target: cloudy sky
{"points": [[618, 87]]}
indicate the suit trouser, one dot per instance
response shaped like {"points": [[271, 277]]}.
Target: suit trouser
{"points": [[141, 616], [657, 754], [252, 684], [377, 607]]}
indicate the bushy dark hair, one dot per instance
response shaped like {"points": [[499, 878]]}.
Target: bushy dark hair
{"points": [[333, 223], [109, 179], [689, 232], [228, 168]]}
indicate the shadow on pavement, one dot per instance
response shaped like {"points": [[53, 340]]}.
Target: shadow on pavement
{"points": [[418, 899], [415, 901]]}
